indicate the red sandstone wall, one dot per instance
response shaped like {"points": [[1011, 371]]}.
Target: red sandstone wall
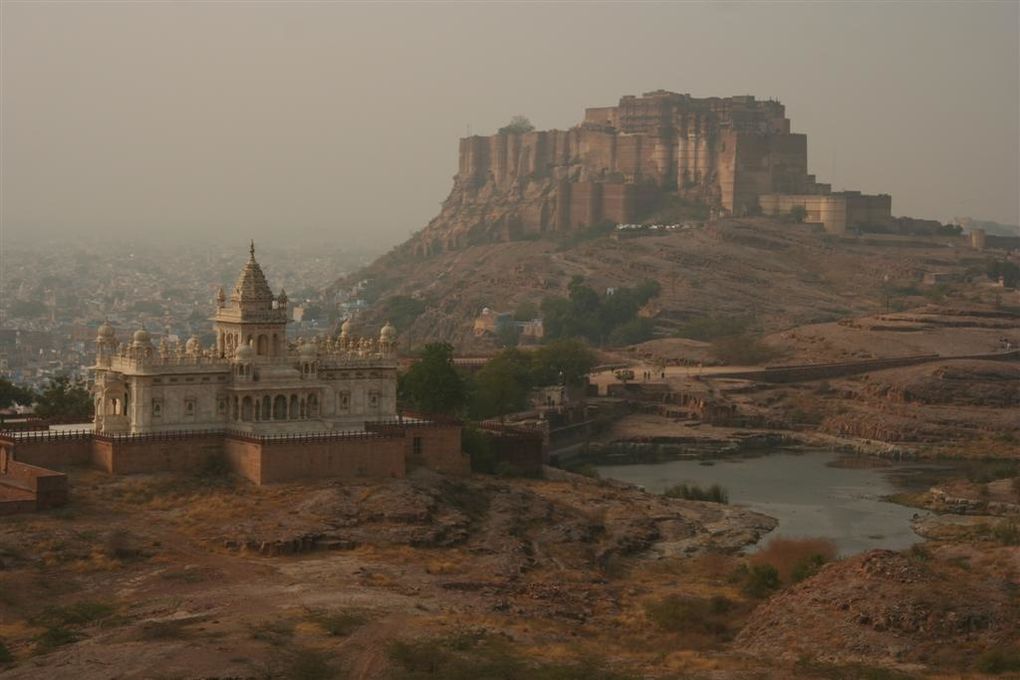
{"points": [[132, 456], [441, 448], [49, 488], [345, 458], [244, 458], [56, 453]]}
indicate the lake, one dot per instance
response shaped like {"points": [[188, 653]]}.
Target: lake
{"points": [[811, 493]]}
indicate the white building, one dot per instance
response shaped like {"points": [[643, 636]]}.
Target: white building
{"points": [[251, 380]]}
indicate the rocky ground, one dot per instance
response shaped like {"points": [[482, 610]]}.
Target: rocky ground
{"points": [[939, 606], [162, 576], [567, 577]]}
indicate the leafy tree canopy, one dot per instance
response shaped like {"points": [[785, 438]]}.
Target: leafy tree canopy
{"points": [[516, 126], [11, 394], [562, 361], [433, 385], [64, 399], [586, 314]]}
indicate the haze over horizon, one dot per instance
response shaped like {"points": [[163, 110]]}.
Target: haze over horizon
{"points": [[330, 121]]}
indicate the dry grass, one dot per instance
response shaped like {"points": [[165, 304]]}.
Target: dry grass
{"points": [[795, 558]]}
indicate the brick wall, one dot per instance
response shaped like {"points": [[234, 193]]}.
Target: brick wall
{"points": [[244, 458], [52, 453], [132, 456], [48, 489], [288, 461]]}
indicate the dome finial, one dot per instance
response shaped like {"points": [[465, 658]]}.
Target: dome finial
{"points": [[252, 249]]}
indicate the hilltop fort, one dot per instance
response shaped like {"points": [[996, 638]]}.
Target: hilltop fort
{"points": [[734, 155]]}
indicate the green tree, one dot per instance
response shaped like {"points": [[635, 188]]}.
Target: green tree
{"points": [[567, 361], [502, 385], [584, 314], [64, 399], [517, 125], [526, 311], [432, 384], [11, 394], [631, 332]]}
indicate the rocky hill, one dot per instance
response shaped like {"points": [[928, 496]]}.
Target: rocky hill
{"points": [[780, 274]]}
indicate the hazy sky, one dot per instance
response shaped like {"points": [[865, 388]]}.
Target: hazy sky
{"points": [[340, 121]]}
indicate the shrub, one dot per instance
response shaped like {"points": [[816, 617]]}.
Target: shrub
{"points": [[339, 623], [55, 636], [1007, 533], [471, 656], [517, 125], [693, 492], [691, 615], [796, 558], [587, 470], [761, 580], [121, 545], [308, 664], [273, 631], [999, 660], [77, 614], [5, 654]]}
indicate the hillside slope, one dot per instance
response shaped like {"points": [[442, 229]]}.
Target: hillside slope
{"points": [[782, 274]]}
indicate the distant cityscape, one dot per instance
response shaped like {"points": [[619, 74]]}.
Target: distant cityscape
{"points": [[55, 297]]}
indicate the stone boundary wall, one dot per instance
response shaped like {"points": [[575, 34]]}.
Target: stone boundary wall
{"points": [[808, 372], [244, 458], [376, 457], [131, 456], [384, 449], [436, 446], [55, 452], [49, 488]]}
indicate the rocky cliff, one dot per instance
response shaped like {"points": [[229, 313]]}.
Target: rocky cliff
{"points": [[618, 165]]}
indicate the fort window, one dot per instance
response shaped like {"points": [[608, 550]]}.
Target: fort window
{"points": [[293, 414], [236, 410], [344, 401], [221, 406], [313, 406], [373, 400], [246, 409], [416, 446], [263, 346], [266, 408], [189, 407], [157, 408], [280, 408]]}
